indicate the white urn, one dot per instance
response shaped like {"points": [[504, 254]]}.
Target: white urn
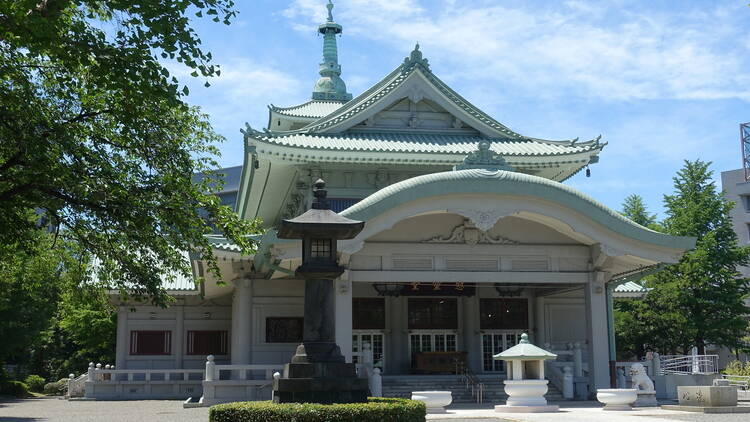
{"points": [[436, 401], [617, 398], [526, 392]]}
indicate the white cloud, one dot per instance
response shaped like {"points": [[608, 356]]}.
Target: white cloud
{"points": [[575, 48]]}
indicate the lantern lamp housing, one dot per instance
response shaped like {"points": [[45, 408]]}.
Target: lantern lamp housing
{"points": [[319, 228]]}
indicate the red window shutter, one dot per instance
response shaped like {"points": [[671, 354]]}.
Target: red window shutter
{"points": [[208, 343], [150, 342]]}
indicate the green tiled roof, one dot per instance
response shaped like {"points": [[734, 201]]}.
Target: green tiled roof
{"points": [[524, 351], [311, 109], [511, 183], [425, 143], [630, 287]]}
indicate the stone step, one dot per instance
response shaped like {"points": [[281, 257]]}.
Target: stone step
{"points": [[402, 387]]}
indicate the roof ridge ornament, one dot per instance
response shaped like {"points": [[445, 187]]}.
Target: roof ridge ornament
{"points": [[330, 86], [484, 158], [415, 59]]}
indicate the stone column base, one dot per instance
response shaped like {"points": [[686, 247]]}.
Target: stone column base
{"points": [[323, 382]]}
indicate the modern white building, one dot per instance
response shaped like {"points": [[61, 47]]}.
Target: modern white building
{"points": [[471, 238], [737, 190]]}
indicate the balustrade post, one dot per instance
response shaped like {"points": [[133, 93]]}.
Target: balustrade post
{"points": [[210, 365], [577, 360], [376, 383], [567, 382], [98, 374], [89, 385], [657, 364], [621, 380], [276, 376], [71, 379]]}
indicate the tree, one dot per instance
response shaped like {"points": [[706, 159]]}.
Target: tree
{"points": [[634, 208], [699, 300], [29, 290], [96, 136]]}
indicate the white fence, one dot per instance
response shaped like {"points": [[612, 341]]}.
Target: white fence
{"points": [[689, 364], [228, 383], [118, 384], [568, 371]]}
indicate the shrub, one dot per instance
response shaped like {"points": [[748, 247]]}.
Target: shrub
{"points": [[58, 388], [14, 388], [35, 383], [736, 367], [375, 410]]}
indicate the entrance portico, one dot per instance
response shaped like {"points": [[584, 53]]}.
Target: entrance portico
{"points": [[443, 255]]}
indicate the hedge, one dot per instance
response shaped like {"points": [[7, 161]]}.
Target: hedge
{"points": [[35, 383], [57, 388], [14, 388], [375, 410]]}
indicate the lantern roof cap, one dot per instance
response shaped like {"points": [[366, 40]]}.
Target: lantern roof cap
{"points": [[525, 351], [320, 220]]}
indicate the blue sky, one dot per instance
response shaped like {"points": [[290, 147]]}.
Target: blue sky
{"points": [[661, 81]]}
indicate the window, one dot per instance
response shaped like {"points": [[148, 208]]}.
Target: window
{"points": [[503, 314], [368, 313], [745, 199], [430, 314], [207, 343], [340, 204], [284, 329], [150, 342], [320, 248]]}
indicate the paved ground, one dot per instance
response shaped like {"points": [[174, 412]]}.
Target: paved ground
{"points": [[57, 410]]}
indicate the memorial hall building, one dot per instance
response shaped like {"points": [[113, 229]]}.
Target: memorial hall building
{"points": [[471, 238]]}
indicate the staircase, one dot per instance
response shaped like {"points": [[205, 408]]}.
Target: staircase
{"points": [[403, 385]]}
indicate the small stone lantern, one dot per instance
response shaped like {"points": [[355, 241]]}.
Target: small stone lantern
{"points": [[525, 384], [318, 372]]}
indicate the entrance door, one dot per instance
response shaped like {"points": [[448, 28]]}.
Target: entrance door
{"points": [[376, 339], [431, 341], [494, 342]]}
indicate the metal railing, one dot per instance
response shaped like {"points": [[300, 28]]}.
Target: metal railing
{"points": [[742, 382], [471, 380], [689, 364]]}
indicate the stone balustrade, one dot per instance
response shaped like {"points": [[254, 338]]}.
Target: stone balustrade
{"points": [[228, 383], [106, 382]]}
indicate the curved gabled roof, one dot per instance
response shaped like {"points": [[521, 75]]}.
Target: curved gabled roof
{"points": [[479, 181], [314, 109], [433, 143]]}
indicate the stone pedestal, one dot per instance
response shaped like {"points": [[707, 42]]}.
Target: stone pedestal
{"points": [[318, 372], [707, 396], [708, 399], [646, 399], [323, 382]]}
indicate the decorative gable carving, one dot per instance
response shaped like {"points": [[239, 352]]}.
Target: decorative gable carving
{"points": [[415, 111], [469, 234]]}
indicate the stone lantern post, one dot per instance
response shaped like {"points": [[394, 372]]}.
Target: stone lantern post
{"points": [[525, 384], [318, 372]]}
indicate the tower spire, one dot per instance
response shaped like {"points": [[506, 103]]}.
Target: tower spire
{"points": [[330, 86]]}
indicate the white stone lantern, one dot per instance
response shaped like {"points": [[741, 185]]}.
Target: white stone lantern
{"points": [[525, 384]]}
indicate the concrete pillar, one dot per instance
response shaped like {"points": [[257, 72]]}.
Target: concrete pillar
{"points": [[123, 343], [242, 307], [469, 323], [539, 328], [179, 336], [343, 302], [597, 335]]}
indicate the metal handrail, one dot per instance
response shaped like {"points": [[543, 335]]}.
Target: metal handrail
{"points": [[689, 364], [471, 380]]}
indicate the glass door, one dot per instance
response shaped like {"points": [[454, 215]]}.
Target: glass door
{"points": [[376, 340], [494, 342], [431, 341]]}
